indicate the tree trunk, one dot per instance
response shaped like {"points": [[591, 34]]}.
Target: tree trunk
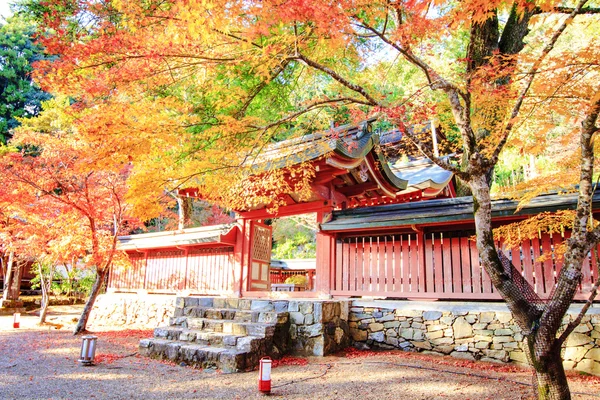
{"points": [[524, 311], [549, 371], [43, 307], [69, 280], [544, 348], [82, 324], [19, 265], [9, 277], [45, 285], [180, 213], [12, 279]]}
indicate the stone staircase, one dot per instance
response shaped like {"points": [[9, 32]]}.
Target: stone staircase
{"points": [[229, 334]]}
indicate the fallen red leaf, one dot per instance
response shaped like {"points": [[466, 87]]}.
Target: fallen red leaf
{"points": [[290, 361], [107, 358]]}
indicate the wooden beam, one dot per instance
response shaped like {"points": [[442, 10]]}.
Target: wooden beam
{"points": [[328, 174], [341, 162], [300, 208], [356, 190], [322, 191], [337, 197]]}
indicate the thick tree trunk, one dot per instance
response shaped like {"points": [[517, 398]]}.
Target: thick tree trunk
{"points": [[483, 43], [549, 371], [82, 324], [524, 311], [544, 348]]}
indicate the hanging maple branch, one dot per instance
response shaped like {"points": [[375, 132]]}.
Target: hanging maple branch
{"points": [[530, 77]]}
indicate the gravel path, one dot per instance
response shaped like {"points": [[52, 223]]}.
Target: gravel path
{"points": [[41, 363]]}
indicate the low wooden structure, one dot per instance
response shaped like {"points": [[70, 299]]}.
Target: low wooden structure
{"points": [[392, 231], [426, 250], [198, 260], [278, 276]]}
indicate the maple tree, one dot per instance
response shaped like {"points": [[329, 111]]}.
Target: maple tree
{"points": [[192, 91], [19, 96], [294, 237], [63, 207]]}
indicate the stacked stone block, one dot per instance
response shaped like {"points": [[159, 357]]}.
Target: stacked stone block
{"points": [[318, 327], [471, 335], [233, 334], [229, 334]]}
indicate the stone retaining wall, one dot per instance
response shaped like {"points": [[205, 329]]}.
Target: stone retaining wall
{"points": [[469, 331], [473, 331], [139, 310], [318, 327]]}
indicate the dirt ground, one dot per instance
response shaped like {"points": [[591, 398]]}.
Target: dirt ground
{"points": [[41, 362]]}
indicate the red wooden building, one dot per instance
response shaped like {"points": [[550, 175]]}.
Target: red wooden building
{"points": [[392, 231]]}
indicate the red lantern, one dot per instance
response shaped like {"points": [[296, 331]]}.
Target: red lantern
{"points": [[16, 320], [264, 375]]}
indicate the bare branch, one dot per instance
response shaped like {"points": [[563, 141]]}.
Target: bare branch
{"points": [[582, 240], [434, 79], [436, 160], [354, 87], [461, 112], [569, 10], [312, 106]]}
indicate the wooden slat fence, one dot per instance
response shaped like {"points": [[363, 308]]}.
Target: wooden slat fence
{"points": [[279, 276], [442, 265], [200, 271]]}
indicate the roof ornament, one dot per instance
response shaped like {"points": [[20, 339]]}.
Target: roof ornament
{"points": [[364, 128], [363, 175]]}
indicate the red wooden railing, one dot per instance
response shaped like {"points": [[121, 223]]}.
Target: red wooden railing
{"points": [[441, 265], [200, 271]]}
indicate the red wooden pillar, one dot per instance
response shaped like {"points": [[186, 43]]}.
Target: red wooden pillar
{"points": [[325, 272], [311, 279], [240, 250]]}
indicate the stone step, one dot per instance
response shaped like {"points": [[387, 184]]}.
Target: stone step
{"points": [[231, 334], [229, 314], [230, 326], [227, 360], [207, 338]]}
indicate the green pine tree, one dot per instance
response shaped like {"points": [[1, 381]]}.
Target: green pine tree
{"points": [[19, 95]]}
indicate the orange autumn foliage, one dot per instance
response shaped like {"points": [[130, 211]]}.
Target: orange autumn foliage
{"points": [[189, 91]]}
